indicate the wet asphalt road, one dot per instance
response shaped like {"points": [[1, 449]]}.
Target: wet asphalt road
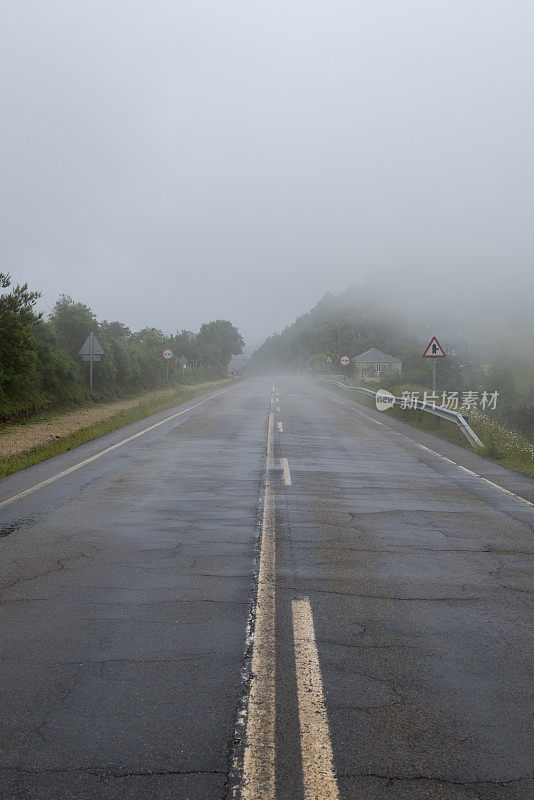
{"points": [[126, 589]]}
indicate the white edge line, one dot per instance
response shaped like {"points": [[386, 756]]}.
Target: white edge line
{"points": [[87, 461], [429, 449]]}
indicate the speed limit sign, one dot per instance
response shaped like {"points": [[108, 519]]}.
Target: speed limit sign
{"points": [[344, 361]]}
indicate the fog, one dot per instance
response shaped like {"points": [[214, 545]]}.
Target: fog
{"points": [[168, 163]]}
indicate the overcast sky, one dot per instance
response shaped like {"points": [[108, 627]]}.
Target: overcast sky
{"points": [[171, 162]]}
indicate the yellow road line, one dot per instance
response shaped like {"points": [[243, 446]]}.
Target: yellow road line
{"points": [[87, 461], [259, 756], [317, 758], [285, 469]]}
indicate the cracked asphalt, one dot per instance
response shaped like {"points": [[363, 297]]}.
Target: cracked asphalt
{"points": [[126, 588]]}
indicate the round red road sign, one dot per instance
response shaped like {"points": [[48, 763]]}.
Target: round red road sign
{"points": [[344, 361], [167, 354]]}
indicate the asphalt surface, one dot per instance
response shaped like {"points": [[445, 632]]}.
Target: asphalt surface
{"points": [[128, 619]]}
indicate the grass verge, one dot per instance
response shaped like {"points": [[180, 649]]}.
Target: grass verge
{"points": [[145, 408], [501, 445]]}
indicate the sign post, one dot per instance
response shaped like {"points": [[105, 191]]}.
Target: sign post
{"points": [[345, 362], [91, 351], [434, 350], [183, 361], [167, 355]]}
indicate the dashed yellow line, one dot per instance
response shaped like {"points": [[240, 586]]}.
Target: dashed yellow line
{"points": [[259, 761], [317, 759], [285, 471]]}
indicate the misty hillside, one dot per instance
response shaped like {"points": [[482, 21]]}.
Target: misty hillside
{"points": [[351, 322], [481, 353]]}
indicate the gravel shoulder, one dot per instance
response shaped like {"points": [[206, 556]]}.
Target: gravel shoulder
{"points": [[45, 428]]}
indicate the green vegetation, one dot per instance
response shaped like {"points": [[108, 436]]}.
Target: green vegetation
{"points": [[145, 407], [505, 446], [40, 367]]}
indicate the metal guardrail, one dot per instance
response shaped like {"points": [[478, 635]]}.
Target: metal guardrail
{"points": [[420, 405]]}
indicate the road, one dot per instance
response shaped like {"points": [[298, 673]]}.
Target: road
{"points": [[266, 594]]}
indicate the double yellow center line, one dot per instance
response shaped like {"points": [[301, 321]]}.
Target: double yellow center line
{"points": [[259, 761]]}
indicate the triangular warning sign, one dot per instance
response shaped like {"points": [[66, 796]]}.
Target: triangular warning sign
{"points": [[434, 349], [96, 348]]}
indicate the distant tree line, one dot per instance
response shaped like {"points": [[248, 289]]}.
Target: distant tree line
{"points": [[40, 365]]}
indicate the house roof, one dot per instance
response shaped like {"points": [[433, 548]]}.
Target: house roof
{"points": [[375, 355]]}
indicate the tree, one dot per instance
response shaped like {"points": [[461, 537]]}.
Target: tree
{"points": [[17, 344], [218, 341], [185, 345], [59, 373], [114, 330], [73, 323]]}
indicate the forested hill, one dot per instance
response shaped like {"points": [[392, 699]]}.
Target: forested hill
{"points": [[40, 366], [350, 323]]}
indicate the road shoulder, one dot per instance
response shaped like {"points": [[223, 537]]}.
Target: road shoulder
{"points": [[507, 478]]}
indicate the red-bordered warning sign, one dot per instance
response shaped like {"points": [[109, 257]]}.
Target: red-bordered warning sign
{"points": [[434, 349]]}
